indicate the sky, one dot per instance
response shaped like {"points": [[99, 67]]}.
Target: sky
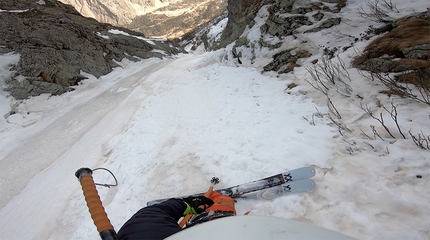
{"points": [[165, 127]]}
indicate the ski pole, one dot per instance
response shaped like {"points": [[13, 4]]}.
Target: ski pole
{"points": [[98, 213]]}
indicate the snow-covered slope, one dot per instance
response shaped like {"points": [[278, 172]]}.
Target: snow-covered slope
{"points": [[163, 132], [166, 127]]}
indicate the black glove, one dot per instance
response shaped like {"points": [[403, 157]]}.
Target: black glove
{"points": [[194, 203]]}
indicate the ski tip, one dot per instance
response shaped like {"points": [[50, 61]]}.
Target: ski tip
{"points": [[300, 173], [298, 186], [313, 171]]}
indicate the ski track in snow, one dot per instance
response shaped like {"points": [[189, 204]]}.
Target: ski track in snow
{"points": [[74, 140], [31, 157]]}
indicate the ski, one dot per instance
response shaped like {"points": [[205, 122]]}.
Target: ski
{"points": [[290, 187], [296, 186], [276, 180]]}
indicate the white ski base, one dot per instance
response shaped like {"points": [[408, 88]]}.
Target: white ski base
{"points": [[256, 227]]}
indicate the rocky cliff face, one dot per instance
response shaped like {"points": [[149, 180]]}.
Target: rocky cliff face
{"points": [[284, 18], [241, 13], [154, 18], [56, 43]]}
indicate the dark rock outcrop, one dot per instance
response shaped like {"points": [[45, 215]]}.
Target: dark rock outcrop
{"points": [[285, 61], [418, 51], [326, 24], [240, 14], [405, 48], [56, 43], [278, 26]]}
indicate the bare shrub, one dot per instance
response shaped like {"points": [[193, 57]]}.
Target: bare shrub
{"points": [[393, 114], [328, 75], [422, 141], [421, 80], [388, 4], [378, 10], [398, 85], [318, 114], [333, 108], [341, 127]]}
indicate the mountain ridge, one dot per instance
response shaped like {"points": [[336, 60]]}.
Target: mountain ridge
{"points": [[166, 19]]}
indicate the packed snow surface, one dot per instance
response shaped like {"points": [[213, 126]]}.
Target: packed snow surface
{"points": [[166, 127]]}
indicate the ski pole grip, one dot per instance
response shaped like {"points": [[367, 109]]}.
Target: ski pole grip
{"points": [[97, 211]]}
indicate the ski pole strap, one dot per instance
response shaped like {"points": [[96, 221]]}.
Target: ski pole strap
{"points": [[98, 213]]}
